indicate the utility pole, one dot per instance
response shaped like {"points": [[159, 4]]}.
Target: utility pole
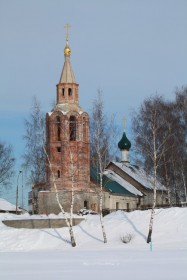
{"points": [[17, 192], [22, 204], [33, 199]]}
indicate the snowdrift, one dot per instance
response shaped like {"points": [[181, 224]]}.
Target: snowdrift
{"points": [[169, 232]]}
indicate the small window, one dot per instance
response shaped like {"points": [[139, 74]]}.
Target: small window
{"points": [[69, 92], [58, 132], [63, 91], [58, 173], [58, 149]]}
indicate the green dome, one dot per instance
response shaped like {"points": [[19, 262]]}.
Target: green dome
{"points": [[124, 143]]}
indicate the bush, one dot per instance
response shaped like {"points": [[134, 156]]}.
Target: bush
{"points": [[127, 238]]}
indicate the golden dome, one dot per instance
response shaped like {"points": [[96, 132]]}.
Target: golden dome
{"points": [[67, 50]]}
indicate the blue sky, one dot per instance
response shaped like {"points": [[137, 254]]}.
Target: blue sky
{"points": [[130, 49]]}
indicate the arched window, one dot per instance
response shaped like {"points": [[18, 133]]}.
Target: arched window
{"points": [[57, 119], [69, 92], [72, 128], [58, 127], [58, 173], [63, 91]]}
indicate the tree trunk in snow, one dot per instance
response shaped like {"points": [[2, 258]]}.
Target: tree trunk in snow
{"points": [[101, 209], [152, 217], [155, 159]]}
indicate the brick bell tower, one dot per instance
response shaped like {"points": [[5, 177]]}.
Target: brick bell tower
{"points": [[67, 134]]}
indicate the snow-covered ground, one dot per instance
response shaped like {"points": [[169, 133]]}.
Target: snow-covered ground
{"points": [[47, 254]]}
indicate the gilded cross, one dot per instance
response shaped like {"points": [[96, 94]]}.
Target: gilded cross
{"points": [[124, 122], [67, 26]]}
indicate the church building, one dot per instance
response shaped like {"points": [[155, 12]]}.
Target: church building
{"points": [[68, 161]]}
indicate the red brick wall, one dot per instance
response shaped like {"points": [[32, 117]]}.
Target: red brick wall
{"points": [[61, 150]]}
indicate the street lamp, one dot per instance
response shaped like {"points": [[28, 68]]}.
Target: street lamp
{"points": [[17, 192]]}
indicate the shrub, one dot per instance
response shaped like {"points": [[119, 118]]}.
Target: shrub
{"points": [[127, 238]]}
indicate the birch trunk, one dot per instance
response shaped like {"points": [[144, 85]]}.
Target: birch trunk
{"points": [[101, 209], [167, 182], [72, 186], [149, 237]]}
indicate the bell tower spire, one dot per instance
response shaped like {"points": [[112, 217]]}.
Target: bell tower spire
{"points": [[67, 88]]}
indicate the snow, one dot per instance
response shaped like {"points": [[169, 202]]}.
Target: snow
{"points": [[115, 177], [139, 175], [27, 216], [7, 206], [47, 254]]}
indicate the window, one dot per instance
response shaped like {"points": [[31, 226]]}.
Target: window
{"points": [[72, 128], [58, 149], [57, 119], [63, 91], [86, 204], [58, 128], [117, 205], [69, 92], [58, 173]]}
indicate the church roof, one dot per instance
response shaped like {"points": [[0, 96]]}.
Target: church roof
{"points": [[67, 75], [114, 177], [139, 175], [114, 184]]}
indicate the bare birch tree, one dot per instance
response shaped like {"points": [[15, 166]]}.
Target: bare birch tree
{"points": [[151, 140], [181, 111], [68, 223], [73, 169], [68, 219], [34, 159], [102, 134], [6, 164]]}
